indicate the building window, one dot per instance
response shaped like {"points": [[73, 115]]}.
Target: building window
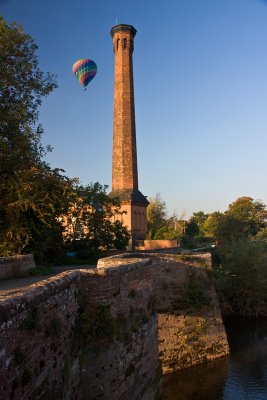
{"points": [[124, 43], [118, 43]]}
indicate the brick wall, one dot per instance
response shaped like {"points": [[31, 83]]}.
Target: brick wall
{"points": [[16, 266], [43, 355], [36, 330]]}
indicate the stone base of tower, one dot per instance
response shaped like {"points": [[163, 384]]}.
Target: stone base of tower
{"points": [[133, 208]]}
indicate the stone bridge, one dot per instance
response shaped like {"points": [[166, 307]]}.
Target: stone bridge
{"points": [[109, 333]]}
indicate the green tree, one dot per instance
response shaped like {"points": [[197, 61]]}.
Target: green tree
{"points": [[244, 218], [223, 227], [92, 222], [262, 234], [240, 273], [199, 219], [156, 215], [239, 264], [251, 213], [22, 83], [171, 228], [191, 228], [166, 233], [29, 212], [32, 195]]}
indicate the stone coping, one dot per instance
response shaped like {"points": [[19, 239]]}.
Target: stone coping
{"points": [[22, 299], [122, 262]]}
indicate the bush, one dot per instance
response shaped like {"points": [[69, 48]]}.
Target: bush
{"points": [[192, 296], [188, 242], [240, 272], [95, 320], [166, 233], [121, 236]]}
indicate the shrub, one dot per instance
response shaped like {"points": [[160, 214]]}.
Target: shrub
{"points": [[95, 320], [192, 296], [188, 242], [240, 272]]}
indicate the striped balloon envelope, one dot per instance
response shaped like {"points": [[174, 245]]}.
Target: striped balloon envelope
{"points": [[84, 70]]}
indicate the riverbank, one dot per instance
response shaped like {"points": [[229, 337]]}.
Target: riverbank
{"points": [[241, 375]]}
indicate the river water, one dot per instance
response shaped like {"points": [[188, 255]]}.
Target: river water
{"points": [[240, 376]]}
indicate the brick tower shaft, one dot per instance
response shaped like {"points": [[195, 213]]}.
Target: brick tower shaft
{"points": [[124, 161], [124, 165]]}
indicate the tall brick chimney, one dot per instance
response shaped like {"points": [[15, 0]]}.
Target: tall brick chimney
{"points": [[124, 162]]}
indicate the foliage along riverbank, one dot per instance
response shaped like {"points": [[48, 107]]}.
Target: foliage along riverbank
{"points": [[240, 272]]}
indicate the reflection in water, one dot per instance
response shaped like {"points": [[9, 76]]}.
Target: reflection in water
{"points": [[197, 383], [241, 376]]}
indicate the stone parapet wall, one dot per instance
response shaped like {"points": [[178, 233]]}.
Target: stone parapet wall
{"points": [[100, 333], [16, 266], [128, 367], [44, 354], [36, 330]]}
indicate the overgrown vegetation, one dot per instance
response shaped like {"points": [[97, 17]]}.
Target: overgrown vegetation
{"points": [[95, 321], [239, 262], [192, 296], [240, 273]]}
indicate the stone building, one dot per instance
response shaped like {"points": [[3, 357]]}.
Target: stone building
{"points": [[124, 162]]}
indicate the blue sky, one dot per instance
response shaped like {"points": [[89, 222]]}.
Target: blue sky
{"points": [[200, 75]]}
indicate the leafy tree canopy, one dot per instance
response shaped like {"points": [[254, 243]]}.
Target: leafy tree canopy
{"points": [[94, 222], [244, 218], [251, 213], [156, 215], [31, 193], [239, 269], [22, 83], [199, 219]]}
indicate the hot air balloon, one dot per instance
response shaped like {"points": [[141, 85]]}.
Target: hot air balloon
{"points": [[84, 70]]}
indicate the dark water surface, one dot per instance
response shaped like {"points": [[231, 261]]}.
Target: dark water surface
{"points": [[241, 376]]}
